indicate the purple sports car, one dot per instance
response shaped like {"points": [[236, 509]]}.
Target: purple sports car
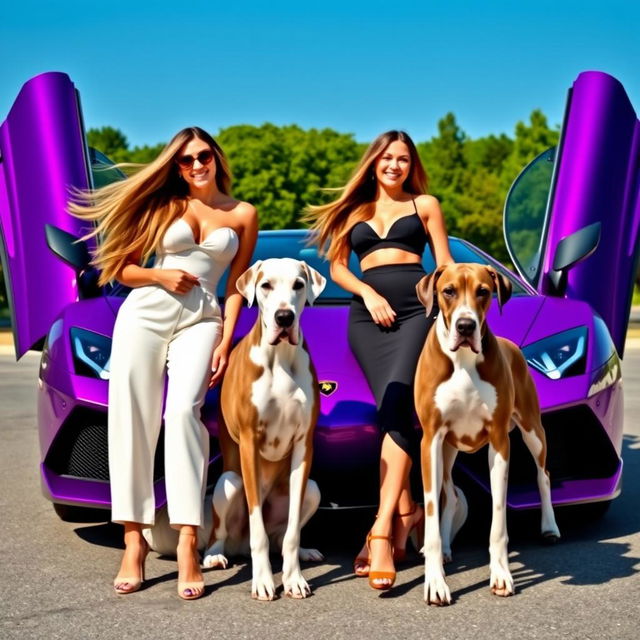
{"points": [[572, 220]]}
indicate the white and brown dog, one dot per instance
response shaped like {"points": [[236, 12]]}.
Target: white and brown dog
{"points": [[471, 388], [270, 404]]}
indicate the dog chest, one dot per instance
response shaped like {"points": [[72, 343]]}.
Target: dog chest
{"points": [[466, 402], [283, 396]]}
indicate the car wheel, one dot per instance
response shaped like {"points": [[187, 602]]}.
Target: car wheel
{"points": [[592, 510], [68, 513], [581, 514]]}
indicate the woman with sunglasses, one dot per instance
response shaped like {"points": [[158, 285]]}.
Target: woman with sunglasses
{"points": [[180, 208], [386, 217]]}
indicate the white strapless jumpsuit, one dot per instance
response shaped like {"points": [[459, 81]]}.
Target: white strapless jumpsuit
{"points": [[160, 335]]}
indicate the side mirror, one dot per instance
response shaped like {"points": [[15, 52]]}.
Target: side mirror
{"points": [[570, 250], [75, 253]]}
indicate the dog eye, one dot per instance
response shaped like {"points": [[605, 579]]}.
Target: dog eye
{"points": [[297, 285], [482, 292], [266, 286], [449, 291]]}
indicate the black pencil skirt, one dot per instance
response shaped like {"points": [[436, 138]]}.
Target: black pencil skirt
{"points": [[389, 356]]}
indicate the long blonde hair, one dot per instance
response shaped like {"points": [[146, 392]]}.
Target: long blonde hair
{"points": [[132, 215], [330, 223]]}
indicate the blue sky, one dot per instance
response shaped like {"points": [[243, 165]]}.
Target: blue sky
{"points": [[150, 68]]}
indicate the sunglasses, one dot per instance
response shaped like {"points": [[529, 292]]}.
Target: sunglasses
{"points": [[186, 162]]}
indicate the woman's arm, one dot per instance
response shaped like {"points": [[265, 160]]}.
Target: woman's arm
{"points": [[380, 310], [233, 298], [174, 280], [431, 215]]}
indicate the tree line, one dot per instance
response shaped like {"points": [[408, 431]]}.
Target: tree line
{"points": [[281, 169]]}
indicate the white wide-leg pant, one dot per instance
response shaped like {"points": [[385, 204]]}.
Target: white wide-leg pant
{"points": [[159, 335]]}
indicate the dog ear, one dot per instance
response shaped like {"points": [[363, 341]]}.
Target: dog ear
{"points": [[316, 282], [246, 283], [425, 289], [502, 285]]}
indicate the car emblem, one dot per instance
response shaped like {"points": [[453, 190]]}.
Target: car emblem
{"points": [[327, 387]]}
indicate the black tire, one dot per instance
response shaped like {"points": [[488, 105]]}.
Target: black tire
{"points": [[588, 512], [67, 513]]}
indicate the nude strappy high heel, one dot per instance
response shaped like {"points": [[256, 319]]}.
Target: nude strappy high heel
{"points": [[193, 589], [124, 585], [380, 575]]}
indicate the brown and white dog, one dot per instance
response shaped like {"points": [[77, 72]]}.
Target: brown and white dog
{"points": [[270, 404], [471, 388]]}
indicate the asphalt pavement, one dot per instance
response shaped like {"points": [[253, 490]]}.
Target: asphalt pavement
{"points": [[56, 576]]}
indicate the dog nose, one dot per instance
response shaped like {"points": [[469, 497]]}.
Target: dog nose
{"points": [[465, 326], [284, 317]]}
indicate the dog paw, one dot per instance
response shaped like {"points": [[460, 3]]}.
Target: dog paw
{"points": [[310, 555], [447, 556], [295, 586], [501, 582], [551, 536], [263, 589], [436, 590], [262, 585], [215, 561]]}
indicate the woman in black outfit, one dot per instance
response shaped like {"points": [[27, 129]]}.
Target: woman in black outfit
{"points": [[386, 218]]}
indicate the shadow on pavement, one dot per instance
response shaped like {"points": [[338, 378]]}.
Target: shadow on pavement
{"points": [[587, 553]]}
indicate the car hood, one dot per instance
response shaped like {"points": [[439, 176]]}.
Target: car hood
{"points": [[345, 395]]}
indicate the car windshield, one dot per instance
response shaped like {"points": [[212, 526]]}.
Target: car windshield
{"points": [[294, 244]]}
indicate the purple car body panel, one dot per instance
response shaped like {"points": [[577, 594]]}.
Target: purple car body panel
{"points": [[43, 126], [598, 180], [582, 412]]}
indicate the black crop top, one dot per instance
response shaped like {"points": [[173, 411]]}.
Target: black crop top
{"points": [[406, 233]]}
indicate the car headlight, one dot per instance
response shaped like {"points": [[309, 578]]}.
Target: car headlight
{"points": [[561, 355], [91, 353]]}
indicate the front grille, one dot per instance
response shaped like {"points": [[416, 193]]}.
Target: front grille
{"points": [[80, 449]]}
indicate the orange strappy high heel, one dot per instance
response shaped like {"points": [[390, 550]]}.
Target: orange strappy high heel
{"points": [[380, 575]]}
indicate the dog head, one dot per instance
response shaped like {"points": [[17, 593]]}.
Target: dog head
{"points": [[281, 287], [464, 293]]}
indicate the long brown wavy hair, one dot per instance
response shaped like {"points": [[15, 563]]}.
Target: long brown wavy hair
{"points": [[330, 223], [132, 215]]}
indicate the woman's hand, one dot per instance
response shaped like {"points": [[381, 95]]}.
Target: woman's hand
{"points": [[176, 280], [218, 364], [379, 308]]}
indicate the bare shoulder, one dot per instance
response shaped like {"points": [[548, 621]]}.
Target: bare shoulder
{"points": [[246, 214], [427, 205], [245, 210]]}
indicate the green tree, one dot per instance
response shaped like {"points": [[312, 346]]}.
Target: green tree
{"points": [[282, 169], [530, 140], [108, 140]]}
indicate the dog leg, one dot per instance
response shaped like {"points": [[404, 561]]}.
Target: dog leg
{"points": [[227, 490], [534, 437], [501, 582], [309, 507], [449, 500], [278, 526], [436, 590], [294, 583], [262, 584]]}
